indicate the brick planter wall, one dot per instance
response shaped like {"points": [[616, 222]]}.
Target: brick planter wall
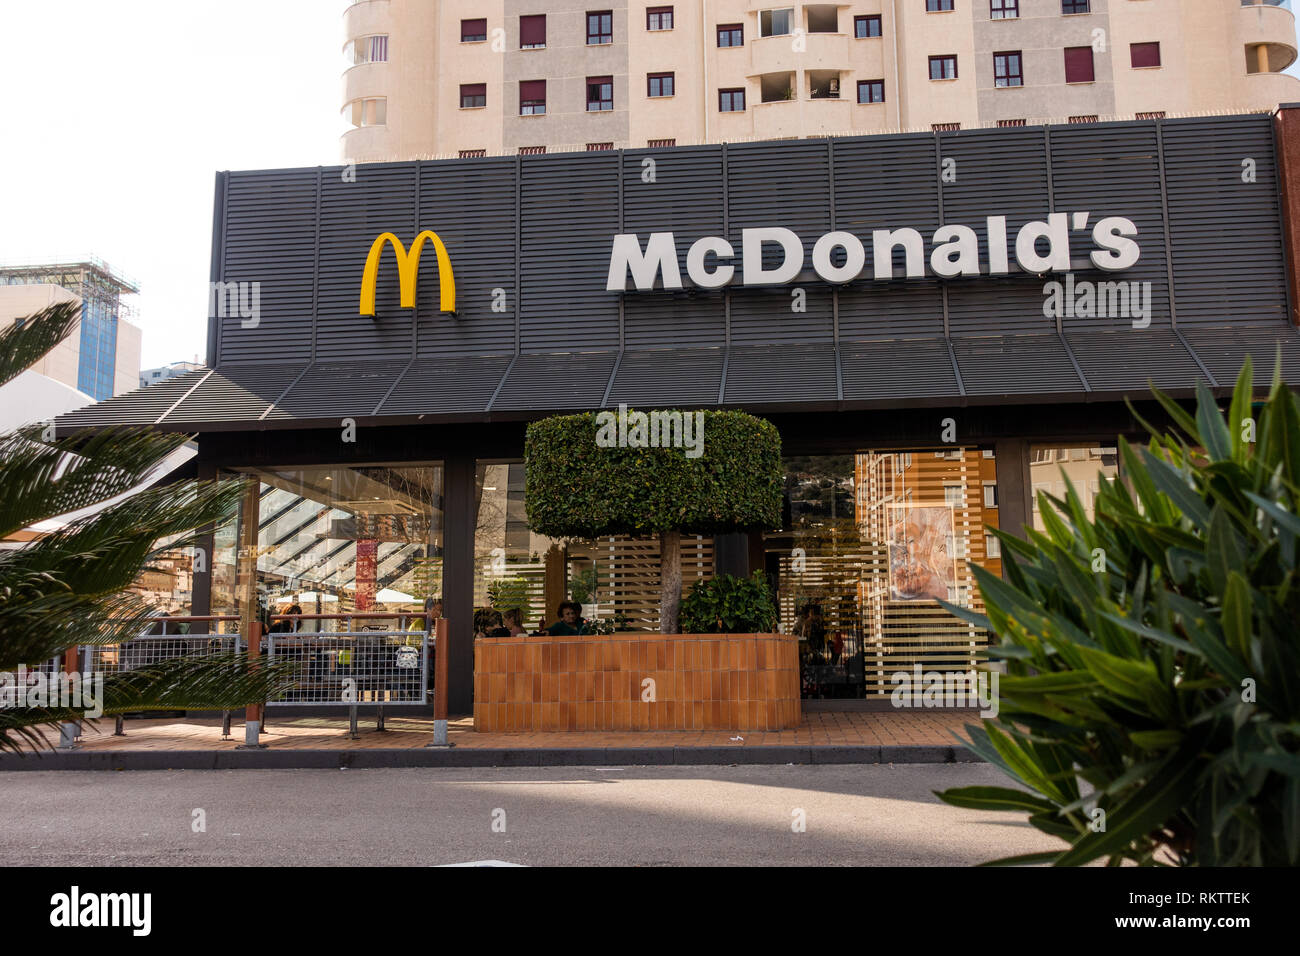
{"points": [[701, 682]]}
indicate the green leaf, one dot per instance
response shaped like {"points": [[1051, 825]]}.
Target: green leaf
{"points": [[994, 798]]}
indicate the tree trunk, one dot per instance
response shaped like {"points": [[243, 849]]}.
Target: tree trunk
{"points": [[670, 577]]}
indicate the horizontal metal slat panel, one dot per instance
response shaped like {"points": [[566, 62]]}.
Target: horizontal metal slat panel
{"points": [[897, 369], [760, 194], [559, 381], [668, 377], [1225, 232], [353, 215], [454, 385], [1127, 361], [769, 375], [337, 391], [569, 215], [470, 204], [270, 239], [235, 393], [1223, 349], [143, 406], [1015, 365]]}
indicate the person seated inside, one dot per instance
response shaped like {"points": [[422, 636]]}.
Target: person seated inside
{"points": [[570, 622], [514, 622], [495, 626], [289, 626]]}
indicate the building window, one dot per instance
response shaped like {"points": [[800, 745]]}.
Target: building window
{"points": [[368, 112], [1075, 6], [866, 27], [473, 95], [658, 143], [473, 31], [472, 153], [775, 23], [944, 128], [600, 93], [1014, 122], [659, 84], [1007, 69], [1085, 118], [731, 34], [1004, 9], [731, 101], [531, 150], [1144, 54], [659, 18], [599, 147], [600, 27], [1155, 114], [532, 97], [937, 6], [373, 49], [1078, 64], [992, 546], [943, 67], [532, 32], [990, 494], [871, 91]]}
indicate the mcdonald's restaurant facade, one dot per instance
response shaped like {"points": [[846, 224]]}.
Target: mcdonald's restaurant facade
{"points": [[938, 324]]}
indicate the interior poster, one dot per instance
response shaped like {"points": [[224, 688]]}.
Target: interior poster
{"points": [[921, 565]]}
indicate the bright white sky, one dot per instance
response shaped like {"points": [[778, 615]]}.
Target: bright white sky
{"points": [[120, 114]]}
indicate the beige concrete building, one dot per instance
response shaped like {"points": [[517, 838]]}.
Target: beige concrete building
{"points": [[456, 77], [101, 355]]}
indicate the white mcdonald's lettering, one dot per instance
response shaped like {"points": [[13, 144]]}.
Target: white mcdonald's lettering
{"points": [[1039, 247]]}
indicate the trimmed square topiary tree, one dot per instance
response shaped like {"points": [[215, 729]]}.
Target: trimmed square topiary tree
{"points": [[661, 473]]}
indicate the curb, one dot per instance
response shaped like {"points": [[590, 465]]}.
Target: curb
{"points": [[479, 757]]}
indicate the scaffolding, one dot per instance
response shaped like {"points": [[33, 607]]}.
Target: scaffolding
{"points": [[91, 278]]}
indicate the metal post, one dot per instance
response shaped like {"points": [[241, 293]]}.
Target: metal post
{"points": [[68, 729], [225, 725], [379, 721], [119, 730], [253, 713], [440, 668], [352, 721]]}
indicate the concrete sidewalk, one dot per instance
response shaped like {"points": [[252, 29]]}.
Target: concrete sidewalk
{"points": [[315, 742]]}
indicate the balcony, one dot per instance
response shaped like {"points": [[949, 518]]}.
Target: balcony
{"points": [[1266, 31], [1260, 91], [367, 16]]}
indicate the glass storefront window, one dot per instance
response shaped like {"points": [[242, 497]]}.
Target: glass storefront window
{"points": [[1085, 465], [869, 543], [341, 539]]}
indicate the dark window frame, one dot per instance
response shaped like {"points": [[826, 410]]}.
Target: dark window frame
{"points": [[1012, 79], [671, 77], [939, 6], [942, 59], [599, 147], [473, 96], [731, 93], [472, 153], [601, 36], [532, 18], [867, 20], [599, 82], [1070, 7], [1146, 46], [731, 30], [1004, 9], [529, 107], [871, 84], [660, 143], [474, 37], [659, 12], [1092, 64]]}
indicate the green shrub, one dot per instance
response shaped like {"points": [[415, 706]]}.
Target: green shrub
{"points": [[507, 593], [729, 605], [583, 585], [1152, 652]]}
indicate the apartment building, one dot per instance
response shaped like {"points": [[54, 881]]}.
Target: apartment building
{"points": [[471, 77]]}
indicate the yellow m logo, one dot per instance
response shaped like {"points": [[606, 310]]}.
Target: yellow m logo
{"points": [[408, 266]]}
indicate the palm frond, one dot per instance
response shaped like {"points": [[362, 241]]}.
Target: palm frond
{"points": [[29, 339]]}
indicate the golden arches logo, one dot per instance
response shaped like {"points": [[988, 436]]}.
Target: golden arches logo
{"points": [[408, 267]]}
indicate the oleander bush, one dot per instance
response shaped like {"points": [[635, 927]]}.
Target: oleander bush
{"points": [[1151, 700]]}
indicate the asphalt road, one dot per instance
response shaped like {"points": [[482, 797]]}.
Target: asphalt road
{"points": [[634, 816]]}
